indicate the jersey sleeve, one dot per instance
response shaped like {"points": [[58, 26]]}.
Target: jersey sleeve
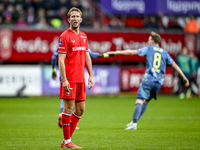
{"points": [[142, 51], [169, 59], [93, 55], [63, 44]]}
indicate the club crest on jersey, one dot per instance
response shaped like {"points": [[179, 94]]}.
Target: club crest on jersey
{"points": [[60, 43], [68, 93]]}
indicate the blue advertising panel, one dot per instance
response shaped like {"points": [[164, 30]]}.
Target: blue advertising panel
{"points": [[50, 86], [106, 81], [128, 6], [146, 7]]}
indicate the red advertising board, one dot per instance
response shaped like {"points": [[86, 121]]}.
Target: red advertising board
{"points": [[131, 77], [38, 45]]}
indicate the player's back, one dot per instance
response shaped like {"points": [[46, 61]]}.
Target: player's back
{"points": [[156, 61]]}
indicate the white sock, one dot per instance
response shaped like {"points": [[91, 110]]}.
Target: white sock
{"points": [[67, 141]]}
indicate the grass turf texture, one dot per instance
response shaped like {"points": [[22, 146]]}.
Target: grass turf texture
{"points": [[168, 123]]}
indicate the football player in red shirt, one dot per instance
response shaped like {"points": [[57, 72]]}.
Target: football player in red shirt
{"points": [[73, 56]]}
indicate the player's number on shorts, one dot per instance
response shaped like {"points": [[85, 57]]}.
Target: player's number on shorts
{"points": [[157, 62]]}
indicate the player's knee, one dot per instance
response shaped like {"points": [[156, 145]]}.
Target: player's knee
{"points": [[139, 101], [80, 111], [68, 109]]}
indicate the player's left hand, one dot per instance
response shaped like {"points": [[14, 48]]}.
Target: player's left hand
{"points": [[90, 82], [54, 75]]}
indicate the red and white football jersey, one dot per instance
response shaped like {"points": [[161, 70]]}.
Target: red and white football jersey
{"points": [[75, 47]]}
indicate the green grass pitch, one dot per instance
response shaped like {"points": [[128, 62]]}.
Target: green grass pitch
{"points": [[168, 124]]}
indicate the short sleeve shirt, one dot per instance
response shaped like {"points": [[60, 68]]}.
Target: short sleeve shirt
{"points": [[75, 47], [156, 61]]}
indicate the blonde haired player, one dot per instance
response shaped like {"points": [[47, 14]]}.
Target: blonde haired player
{"points": [[73, 56]]}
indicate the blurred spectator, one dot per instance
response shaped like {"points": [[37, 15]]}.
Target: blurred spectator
{"points": [[62, 15], [41, 13], [151, 23], [87, 19], [194, 73], [173, 24], [42, 24], [160, 20], [30, 16], [21, 22], [183, 61], [62, 3], [1, 13], [192, 25], [38, 4], [96, 24], [1, 19], [115, 23], [8, 15], [76, 3]]}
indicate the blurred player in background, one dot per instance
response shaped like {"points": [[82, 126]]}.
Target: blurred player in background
{"points": [[54, 75], [156, 61], [183, 61], [194, 73], [73, 56]]}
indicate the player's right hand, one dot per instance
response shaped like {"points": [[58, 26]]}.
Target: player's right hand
{"points": [[66, 86], [186, 82]]}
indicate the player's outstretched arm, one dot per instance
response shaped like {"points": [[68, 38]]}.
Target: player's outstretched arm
{"points": [[176, 67], [125, 52], [97, 55]]}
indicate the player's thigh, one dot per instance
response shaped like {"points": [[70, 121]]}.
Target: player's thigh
{"points": [[68, 95], [80, 92], [154, 91], [144, 90]]}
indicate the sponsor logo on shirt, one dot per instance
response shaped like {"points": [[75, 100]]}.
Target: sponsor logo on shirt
{"points": [[60, 43], [83, 36], [78, 48], [73, 41], [61, 47]]}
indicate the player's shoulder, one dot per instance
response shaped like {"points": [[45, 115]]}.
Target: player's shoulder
{"points": [[65, 33], [82, 34]]}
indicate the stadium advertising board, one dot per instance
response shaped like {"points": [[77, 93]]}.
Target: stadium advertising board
{"points": [[179, 7], [131, 77], [106, 81], [50, 86], [20, 80], [38, 46]]}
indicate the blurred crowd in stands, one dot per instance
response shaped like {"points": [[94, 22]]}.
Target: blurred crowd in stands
{"points": [[47, 14]]}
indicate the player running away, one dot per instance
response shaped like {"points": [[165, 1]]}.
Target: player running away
{"points": [[156, 61]]}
